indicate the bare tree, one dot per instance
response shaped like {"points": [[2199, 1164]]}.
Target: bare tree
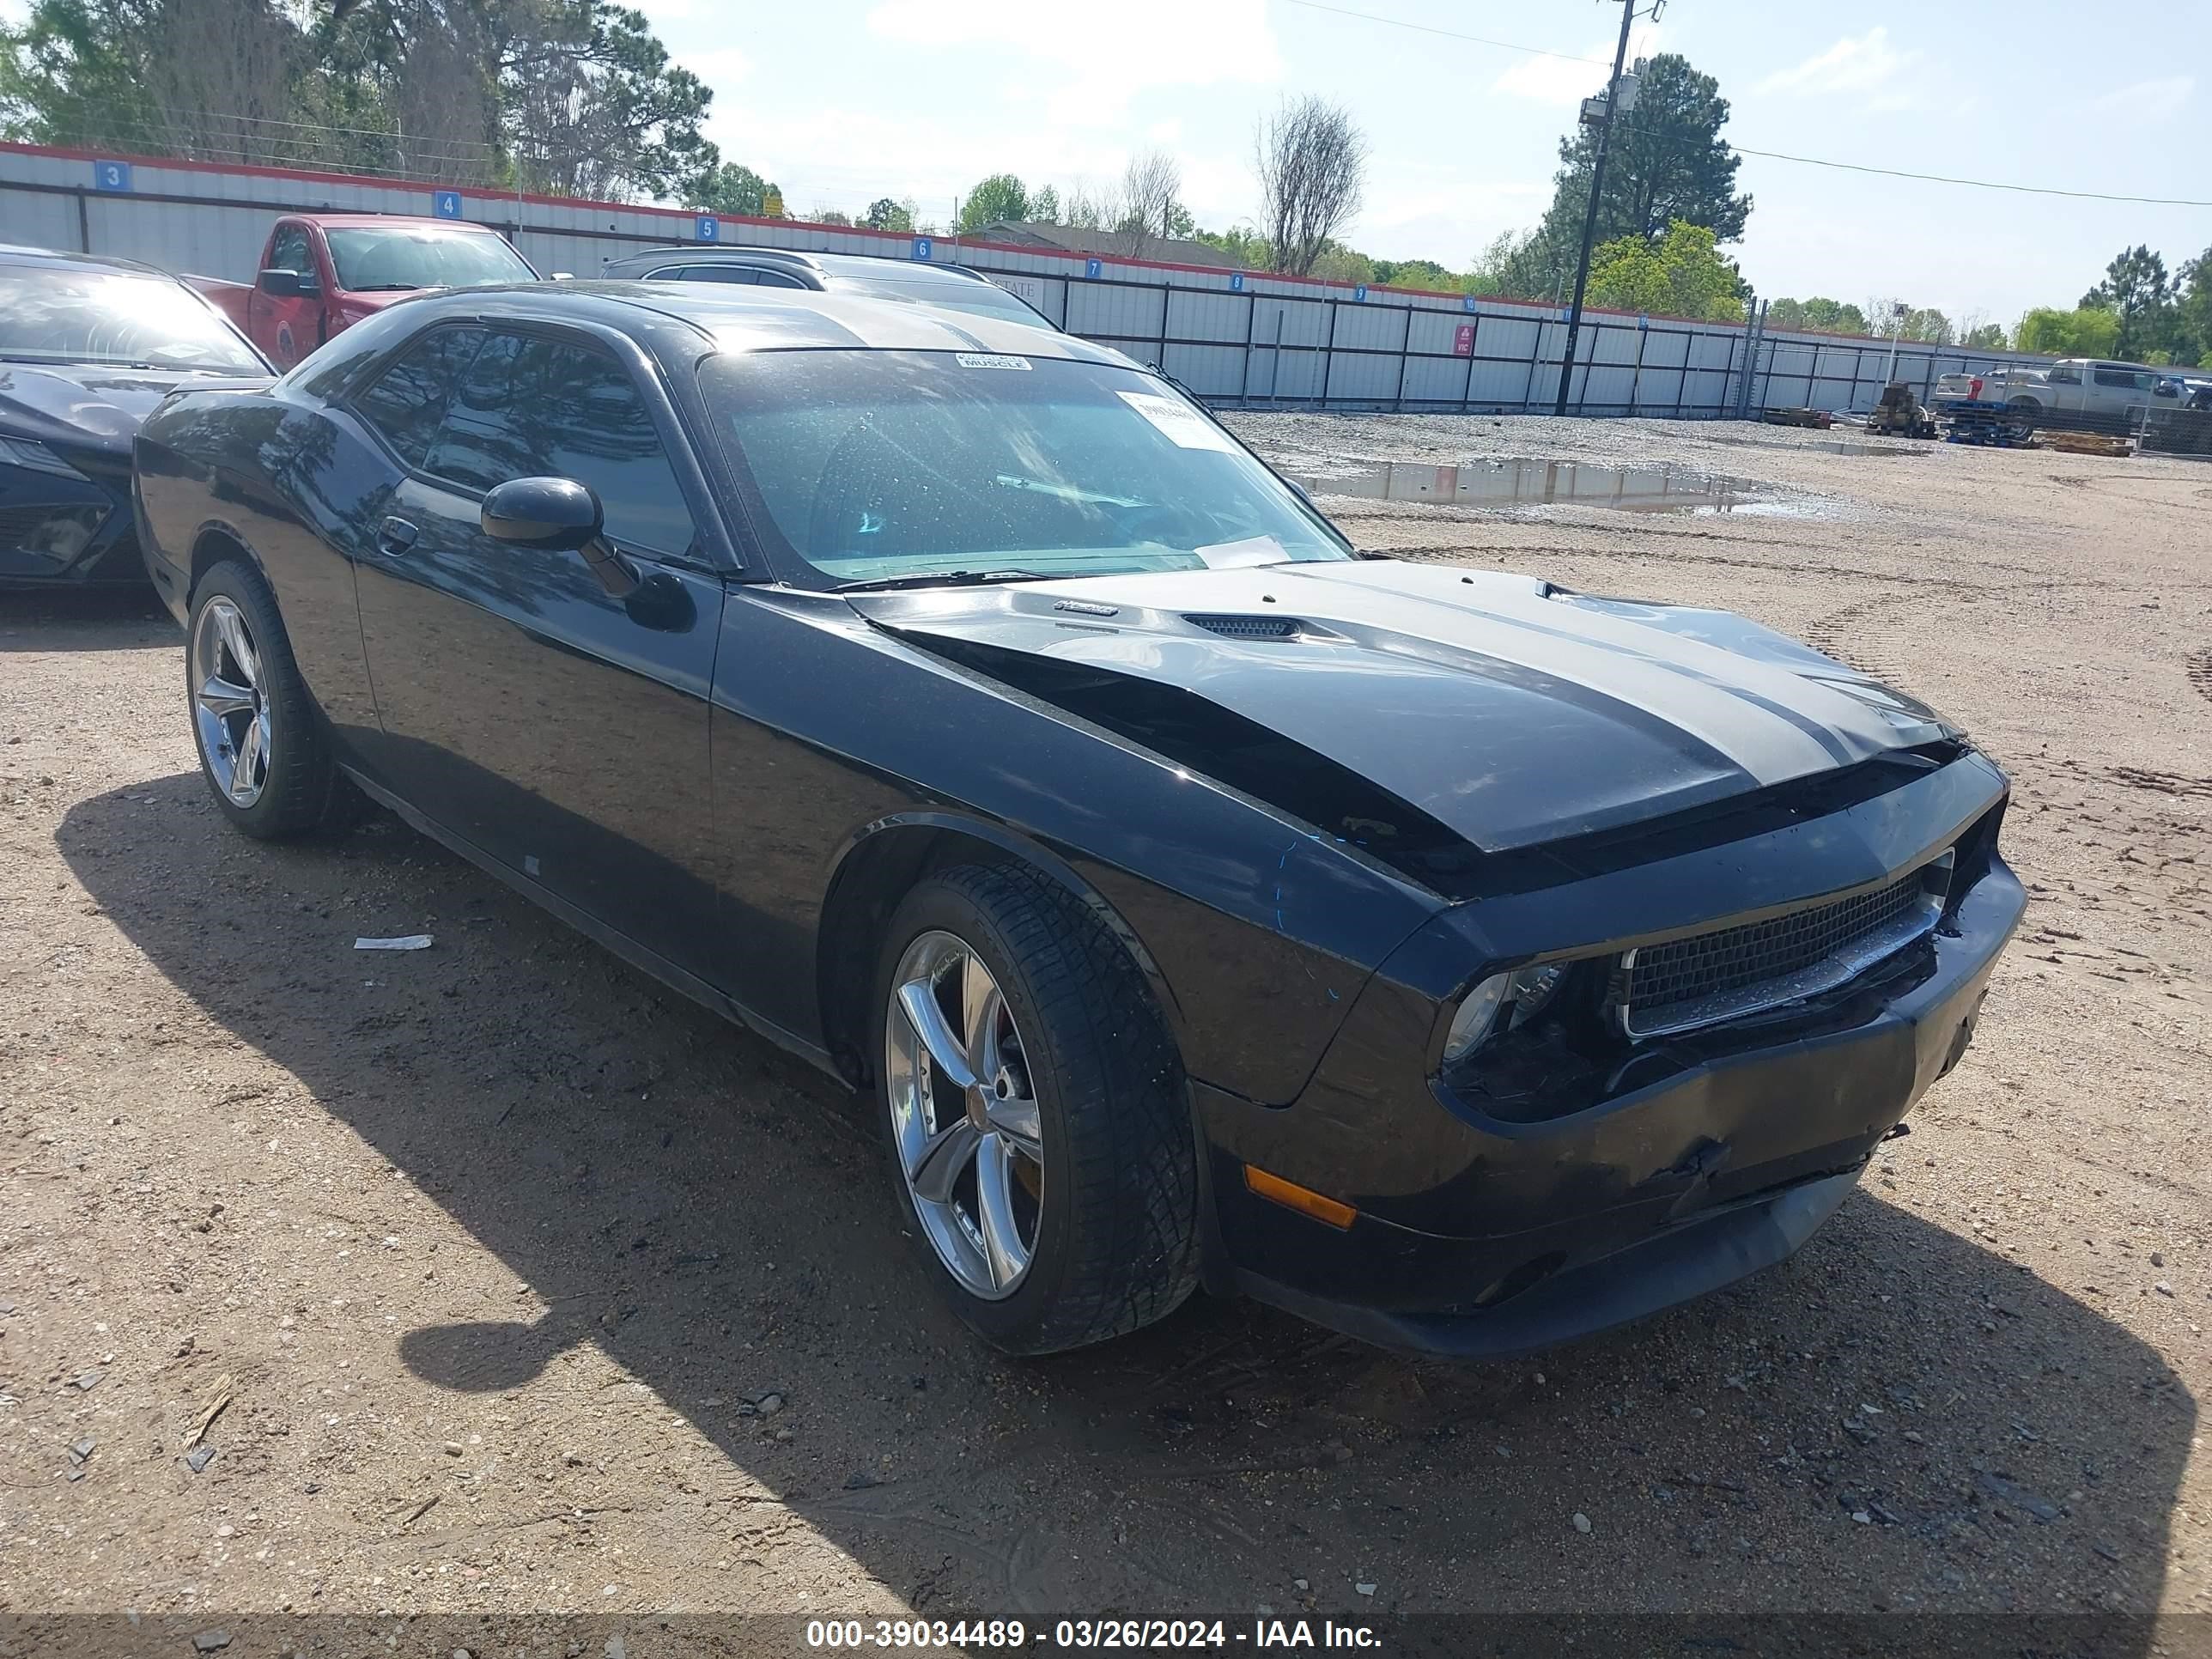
{"points": [[1152, 189], [1092, 209], [1312, 163]]}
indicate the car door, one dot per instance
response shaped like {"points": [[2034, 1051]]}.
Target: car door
{"points": [[285, 326], [2116, 389], [553, 726]]}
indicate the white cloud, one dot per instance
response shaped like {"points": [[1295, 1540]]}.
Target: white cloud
{"points": [[724, 66], [1567, 80], [1850, 65], [2154, 100], [1106, 57], [1169, 131]]}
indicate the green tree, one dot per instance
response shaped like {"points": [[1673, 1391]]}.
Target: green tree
{"points": [[1667, 163], [1679, 276], [571, 97], [729, 188], [1044, 207], [1927, 324], [2085, 332], [2193, 310], [1822, 316], [1336, 263], [1001, 196], [1985, 336], [2137, 287], [589, 105], [1243, 243], [1417, 273], [833, 216], [884, 214], [1819, 313]]}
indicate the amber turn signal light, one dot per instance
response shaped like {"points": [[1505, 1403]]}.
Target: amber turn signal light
{"points": [[1303, 1200]]}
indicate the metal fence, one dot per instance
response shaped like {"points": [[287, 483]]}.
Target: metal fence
{"points": [[1237, 339]]}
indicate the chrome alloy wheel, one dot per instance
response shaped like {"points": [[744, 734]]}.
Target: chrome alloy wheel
{"points": [[229, 706], [964, 1115]]}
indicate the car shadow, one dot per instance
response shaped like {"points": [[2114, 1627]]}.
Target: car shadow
{"points": [[1898, 1418], [121, 617]]}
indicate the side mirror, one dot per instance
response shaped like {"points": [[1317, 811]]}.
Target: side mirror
{"points": [[2165, 389], [554, 515], [557, 515], [280, 284]]}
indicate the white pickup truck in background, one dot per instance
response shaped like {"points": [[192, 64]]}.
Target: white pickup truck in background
{"points": [[2083, 392]]}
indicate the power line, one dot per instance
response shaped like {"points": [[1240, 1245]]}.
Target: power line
{"points": [[1769, 154], [1449, 34], [1976, 183]]}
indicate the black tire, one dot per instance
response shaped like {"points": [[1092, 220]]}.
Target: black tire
{"points": [[2021, 416], [304, 791], [1116, 1231]]}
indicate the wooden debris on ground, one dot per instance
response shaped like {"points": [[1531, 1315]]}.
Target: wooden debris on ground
{"points": [[223, 1387]]}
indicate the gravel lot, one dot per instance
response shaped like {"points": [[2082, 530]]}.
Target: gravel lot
{"points": [[497, 1247]]}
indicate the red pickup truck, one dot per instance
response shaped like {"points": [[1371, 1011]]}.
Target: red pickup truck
{"points": [[323, 272]]}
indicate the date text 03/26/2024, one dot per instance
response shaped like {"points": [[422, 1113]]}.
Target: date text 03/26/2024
{"points": [[1118, 1633]]}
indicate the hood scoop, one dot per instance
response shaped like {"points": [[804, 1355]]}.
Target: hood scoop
{"points": [[1231, 626]]}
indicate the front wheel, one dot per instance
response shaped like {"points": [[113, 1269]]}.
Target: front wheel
{"points": [[263, 750], [1038, 1113]]}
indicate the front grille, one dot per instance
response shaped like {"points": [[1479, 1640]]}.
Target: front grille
{"points": [[1248, 627], [1706, 977]]}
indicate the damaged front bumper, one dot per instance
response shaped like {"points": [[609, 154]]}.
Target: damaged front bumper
{"points": [[1475, 1236]]}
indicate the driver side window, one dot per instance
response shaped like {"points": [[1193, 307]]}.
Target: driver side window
{"points": [[528, 406], [290, 251]]}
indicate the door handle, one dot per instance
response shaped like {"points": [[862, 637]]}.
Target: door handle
{"points": [[395, 536]]}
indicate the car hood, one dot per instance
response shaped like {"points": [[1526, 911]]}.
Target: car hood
{"points": [[1492, 706], [84, 406]]}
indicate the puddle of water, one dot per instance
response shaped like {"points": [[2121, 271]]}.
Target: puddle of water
{"points": [[1537, 484]]}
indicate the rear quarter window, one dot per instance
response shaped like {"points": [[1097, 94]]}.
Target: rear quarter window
{"points": [[407, 402]]}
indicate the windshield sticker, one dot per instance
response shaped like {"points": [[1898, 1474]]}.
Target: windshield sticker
{"points": [[1184, 426], [988, 359], [1253, 549]]}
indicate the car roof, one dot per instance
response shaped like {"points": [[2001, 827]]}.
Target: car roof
{"points": [[412, 221], [877, 266], [13, 254], [734, 318]]}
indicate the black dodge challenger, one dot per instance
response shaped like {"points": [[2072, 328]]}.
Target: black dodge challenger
{"points": [[1462, 962]]}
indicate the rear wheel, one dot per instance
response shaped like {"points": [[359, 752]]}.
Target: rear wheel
{"points": [[1036, 1110], [2020, 418], [262, 750]]}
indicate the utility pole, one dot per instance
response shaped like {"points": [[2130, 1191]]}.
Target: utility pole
{"points": [[1590, 216]]}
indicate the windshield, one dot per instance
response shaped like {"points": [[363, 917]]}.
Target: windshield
{"points": [[371, 258], [877, 465], [62, 314]]}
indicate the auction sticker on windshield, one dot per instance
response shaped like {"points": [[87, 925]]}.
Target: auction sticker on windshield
{"points": [[1185, 428], [988, 359]]}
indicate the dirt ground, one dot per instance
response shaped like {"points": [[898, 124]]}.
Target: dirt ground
{"points": [[496, 1248]]}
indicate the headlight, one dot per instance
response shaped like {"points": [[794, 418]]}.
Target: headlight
{"points": [[23, 451], [1515, 997]]}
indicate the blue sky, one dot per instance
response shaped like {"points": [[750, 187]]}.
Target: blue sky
{"points": [[844, 100]]}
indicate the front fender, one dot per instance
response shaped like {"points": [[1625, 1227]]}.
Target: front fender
{"points": [[1257, 931]]}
